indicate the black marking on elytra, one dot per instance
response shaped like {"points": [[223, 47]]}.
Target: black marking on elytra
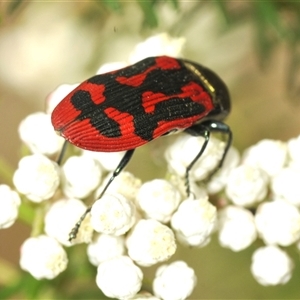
{"points": [[89, 110], [128, 99]]}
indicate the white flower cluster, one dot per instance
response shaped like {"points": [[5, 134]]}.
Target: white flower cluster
{"points": [[260, 198], [132, 219], [140, 224]]}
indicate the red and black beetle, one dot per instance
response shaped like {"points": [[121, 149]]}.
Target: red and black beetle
{"points": [[124, 109]]}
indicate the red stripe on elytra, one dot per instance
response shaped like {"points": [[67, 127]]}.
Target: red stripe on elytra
{"points": [[96, 91], [125, 120], [192, 90], [167, 63], [164, 63], [64, 113], [135, 80], [150, 99], [198, 94], [83, 135]]}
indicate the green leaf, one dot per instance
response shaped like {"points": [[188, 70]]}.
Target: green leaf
{"points": [[225, 13], [13, 6], [267, 20], [175, 3], [112, 4], [150, 18]]}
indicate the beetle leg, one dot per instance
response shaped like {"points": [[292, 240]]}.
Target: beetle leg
{"points": [[196, 130], [122, 164], [62, 153], [204, 129], [218, 126]]}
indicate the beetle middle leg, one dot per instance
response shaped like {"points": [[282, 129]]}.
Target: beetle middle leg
{"points": [[204, 129]]}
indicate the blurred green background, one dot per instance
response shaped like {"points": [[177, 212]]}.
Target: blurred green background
{"points": [[252, 45]]}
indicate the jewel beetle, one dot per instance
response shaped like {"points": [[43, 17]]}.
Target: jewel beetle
{"points": [[124, 109]]}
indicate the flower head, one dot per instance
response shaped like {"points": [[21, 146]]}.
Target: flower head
{"points": [[43, 257], [271, 266], [82, 175], [105, 247], [158, 199], [160, 44], [285, 185], [37, 133], [37, 177], [259, 156], [194, 221], [150, 242], [9, 206], [61, 218], [236, 228], [278, 222], [113, 214], [175, 281], [182, 152], [119, 277], [246, 185]]}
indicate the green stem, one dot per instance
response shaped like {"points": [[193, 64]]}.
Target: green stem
{"points": [[6, 171]]}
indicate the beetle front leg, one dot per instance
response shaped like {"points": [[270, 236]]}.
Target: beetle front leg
{"points": [[62, 153], [122, 164]]}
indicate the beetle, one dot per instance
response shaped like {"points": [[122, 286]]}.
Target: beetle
{"points": [[127, 108]]}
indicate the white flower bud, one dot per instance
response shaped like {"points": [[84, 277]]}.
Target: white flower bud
{"points": [[278, 222], [82, 175], [268, 155], [119, 277], [61, 219], [271, 266], [175, 281], [43, 257], [105, 247], [219, 180], [59, 94], [194, 222], [157, 45], [285, 185], [37, 133], [37, 177], [112, 214], [182, 152], [236, 228], [247, 185], [150, 242], [125, 184], [9, 206], [158, 199], [108, 160]]}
